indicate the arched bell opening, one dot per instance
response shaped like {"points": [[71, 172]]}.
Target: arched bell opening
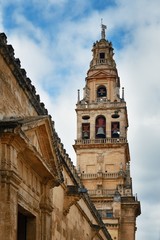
{"points": [[100, 127], [115, 129], [85, 130], [101, 91]]}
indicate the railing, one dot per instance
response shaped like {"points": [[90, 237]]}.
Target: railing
{"points": [[97, 175], [102, 61], [105, 103], [100, 141], [102, 100], [102, 192]]}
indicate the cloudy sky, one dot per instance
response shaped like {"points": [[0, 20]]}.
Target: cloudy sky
{"points": [[53, 39]]}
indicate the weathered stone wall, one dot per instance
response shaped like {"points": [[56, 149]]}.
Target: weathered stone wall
{"points": [[13, 102]]}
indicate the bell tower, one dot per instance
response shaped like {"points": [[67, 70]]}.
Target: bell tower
{"points": [[103, 158]]}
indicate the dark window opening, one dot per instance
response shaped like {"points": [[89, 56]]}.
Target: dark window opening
{"points": [[85, 130], [100, 127], [101, 91], [26, 225], [22, 227], [109, 214], [102, 55], [115, 126]]}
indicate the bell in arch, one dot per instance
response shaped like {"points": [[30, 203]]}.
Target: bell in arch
{"points": [[100, 133], [115, 114], [86, 135]]}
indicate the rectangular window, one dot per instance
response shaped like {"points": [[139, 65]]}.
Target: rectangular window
{"points": [[102, 55], [109, 214]]}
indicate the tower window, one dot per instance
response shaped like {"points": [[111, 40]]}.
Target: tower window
{"points": [[101, 91], [102, 55], [100, 127], [85, 130], [109, 214], [115, 126]]}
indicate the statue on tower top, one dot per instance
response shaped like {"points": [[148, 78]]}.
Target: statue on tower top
{"points": [[103, 34]]}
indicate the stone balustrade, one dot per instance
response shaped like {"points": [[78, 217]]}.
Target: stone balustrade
{"points": [[105, 104], [102, 192], [97, 175], [100, 141]]}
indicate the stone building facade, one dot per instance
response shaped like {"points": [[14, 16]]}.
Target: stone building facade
{"points": [[41, 194], [103, 159]]}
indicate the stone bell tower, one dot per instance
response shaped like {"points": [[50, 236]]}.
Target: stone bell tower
{"points": [[103, 158]]}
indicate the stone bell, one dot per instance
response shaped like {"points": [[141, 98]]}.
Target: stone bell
{"points": [[100, 133], [115, 114]]}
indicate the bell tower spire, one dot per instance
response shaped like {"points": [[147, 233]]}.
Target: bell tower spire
{"points": [[101, 146]]}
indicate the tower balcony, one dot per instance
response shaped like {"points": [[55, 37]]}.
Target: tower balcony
{"points": [[103, 61], [101, 102], [101, 193], [101, 141], [110, 175], [110, 193]]}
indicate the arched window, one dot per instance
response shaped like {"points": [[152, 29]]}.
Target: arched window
{"points": [[85, 130], [101, 91], [100, 127]]}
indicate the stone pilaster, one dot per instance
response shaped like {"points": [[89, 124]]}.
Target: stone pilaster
{"points": [[130, 210], [46, 213], [9, 182]]}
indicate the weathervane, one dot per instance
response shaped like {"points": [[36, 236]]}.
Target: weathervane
{"points": [[103, 34]]}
